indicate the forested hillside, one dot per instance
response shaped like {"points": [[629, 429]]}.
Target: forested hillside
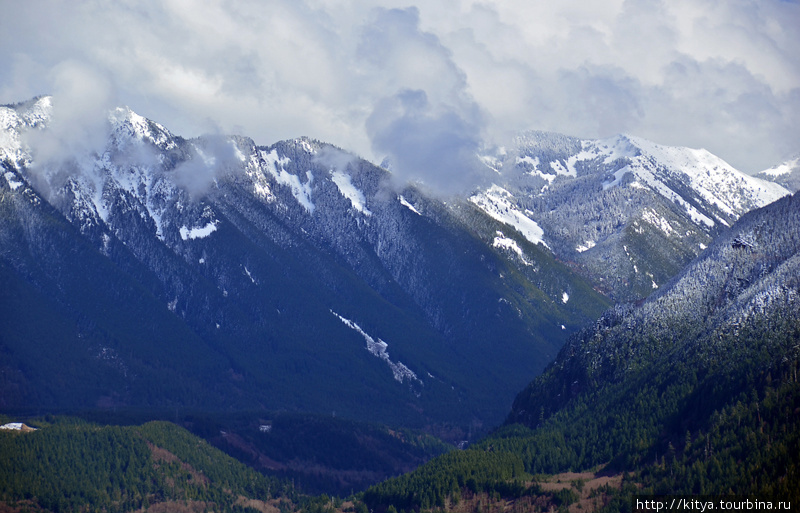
{"points": [[70, 465]]}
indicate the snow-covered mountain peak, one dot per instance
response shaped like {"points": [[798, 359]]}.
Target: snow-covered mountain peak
{"points": [[308, 145], [32, 113], [581, 199], [786, 173], [17, 119], [620, 205], [36, 112], [128, 125], [716, 181], [784, 168], [667, 170], [611, 148], [40, 111]]}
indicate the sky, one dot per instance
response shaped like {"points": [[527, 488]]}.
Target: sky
{"points": [[425, 84]]}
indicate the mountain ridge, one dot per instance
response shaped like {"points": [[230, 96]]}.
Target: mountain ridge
{"points": [[251, 247], [263, 252], [214, 273], [628, 212], [787, 173]]}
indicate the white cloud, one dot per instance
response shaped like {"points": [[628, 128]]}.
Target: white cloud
{"points": [[722, 75], [79, 123]]}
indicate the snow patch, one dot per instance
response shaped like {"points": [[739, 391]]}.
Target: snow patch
{"points": [[263, 190], [618, 176], [307, 147], [247, 272], [531, 161], [652, 217], [496, 202], [586, 246], [17, 426], [10, 178], [503, 242], [198, 233], [561, 170], [378, 349], [300, 191], [408, 205], [564, 298], [349, 191]]}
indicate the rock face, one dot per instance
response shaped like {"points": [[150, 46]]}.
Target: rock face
{"points": [[214, 273]]}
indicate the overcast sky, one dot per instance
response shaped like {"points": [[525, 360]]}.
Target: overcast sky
{"points": [[387, 77]]}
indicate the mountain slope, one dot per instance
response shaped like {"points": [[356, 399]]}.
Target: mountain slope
{"points": [[695, 391], [629, 213], [737, 303], [296, 273]]}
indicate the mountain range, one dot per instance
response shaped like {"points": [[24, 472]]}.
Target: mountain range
{"points": [[216, 274], [651, 292], [626, 212]]}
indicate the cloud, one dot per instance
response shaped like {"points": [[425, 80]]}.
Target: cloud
{"points": [[430, 128], [724, 75], [334, 158], [78, 126], [82, 98], [213, 155], [429, 145]]}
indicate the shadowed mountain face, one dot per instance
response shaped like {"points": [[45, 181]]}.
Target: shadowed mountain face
{"points": [[217, 274]]}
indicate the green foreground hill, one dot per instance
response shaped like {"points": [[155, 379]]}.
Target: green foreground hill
{"points": [[72, 465]]}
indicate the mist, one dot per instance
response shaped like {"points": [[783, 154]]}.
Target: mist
{"points": [[77, 130], [214, 155]]}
